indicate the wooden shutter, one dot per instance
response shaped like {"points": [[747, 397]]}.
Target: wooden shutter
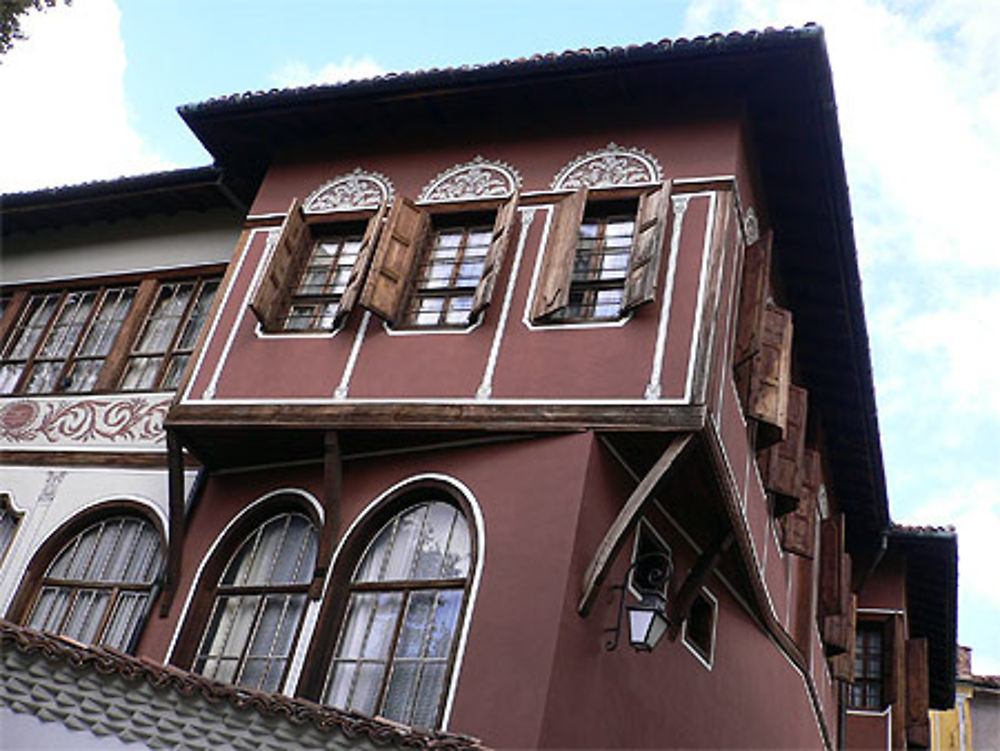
{"points": [[358, 273], [917, 694], [842, 665], [834, 586], [781, 465], [291, 251], [799, 526], [503, 232], [395, 257], [647, 247], [765, 379], [552, 292], [755, 290]]}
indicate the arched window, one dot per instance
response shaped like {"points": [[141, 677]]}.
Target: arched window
{"points": [[258, 604], [397, 640], [98, 587]]}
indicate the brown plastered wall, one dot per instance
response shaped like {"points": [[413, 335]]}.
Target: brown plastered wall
{"points": [[886, 587], [751, 698], [529, 493]]}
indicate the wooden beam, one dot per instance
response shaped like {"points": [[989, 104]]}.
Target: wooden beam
{"points": [[332, 478], [681, 606], [626, 521], [175, 494], [493, 417]]}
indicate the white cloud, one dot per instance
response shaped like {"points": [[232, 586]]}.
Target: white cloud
{"points": [[298, 73], [64, 113], [918, 94]]}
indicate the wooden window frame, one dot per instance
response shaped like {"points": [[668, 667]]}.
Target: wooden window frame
{"points": [[146, 283], [23, 603], [391, 285], [291, 251], [172, 348], [861, 678], [206, 588], [313, 680], [555, 284]]}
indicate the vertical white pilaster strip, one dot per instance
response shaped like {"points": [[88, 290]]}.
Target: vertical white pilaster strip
{"points": [[485, 389], [654, 388], [345, 380]]}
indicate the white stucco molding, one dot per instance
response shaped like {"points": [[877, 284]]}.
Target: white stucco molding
{"points": [[479, 178], [610, 167], [355, 190]]}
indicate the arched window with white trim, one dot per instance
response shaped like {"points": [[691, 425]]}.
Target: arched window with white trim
{"points": [[98, 587], [405, 603], [258, 604]]}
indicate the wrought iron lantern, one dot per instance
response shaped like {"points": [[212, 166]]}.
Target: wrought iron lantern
{"points": [[647, 620]]}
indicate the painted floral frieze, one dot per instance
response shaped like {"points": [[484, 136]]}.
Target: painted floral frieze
{"points": [[112, 421]]}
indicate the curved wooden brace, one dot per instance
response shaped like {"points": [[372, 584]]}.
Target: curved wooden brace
{"points": [[625, 522]]}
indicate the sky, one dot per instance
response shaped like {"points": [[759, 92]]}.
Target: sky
{"points": [[92, 94]]}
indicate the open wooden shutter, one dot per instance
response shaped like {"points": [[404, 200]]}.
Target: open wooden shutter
{"points": [[358, 273], [917, 694], [398, 248], [754, 292], [291, 252], [781, 465], [842, 666], [799, 526], [552, 292], [834, 586], [764, 381], [503, 232], [647, 247]]}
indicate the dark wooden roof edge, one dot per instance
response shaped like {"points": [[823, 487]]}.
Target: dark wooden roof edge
{"points": [[195, 188], [106, 661], [932, 600], [437, 79]]}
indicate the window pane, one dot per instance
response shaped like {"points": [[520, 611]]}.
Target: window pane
{"points": [[86, 615], [50, 609], [448, 605], [360, 610], [457, 557], [428, 695], [414, 629], [382, 626], [125, 621], [404, 545], [434, 541], [368, 681], [340, 684], [399, 694]]}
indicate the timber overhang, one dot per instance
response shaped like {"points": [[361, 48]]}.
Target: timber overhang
{"points": [[223, 435]]}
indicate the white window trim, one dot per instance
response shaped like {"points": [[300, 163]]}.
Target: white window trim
{"points": [[713, 600]]}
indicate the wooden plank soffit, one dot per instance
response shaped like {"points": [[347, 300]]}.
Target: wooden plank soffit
{"points": [[626, 521]]}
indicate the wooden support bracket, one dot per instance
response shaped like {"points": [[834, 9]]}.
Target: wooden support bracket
{"points": [[626, 521], [333, 473], [681, 606], [175, 542]]}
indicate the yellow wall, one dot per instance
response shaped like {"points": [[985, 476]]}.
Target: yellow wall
{"points": [[951, 730]]}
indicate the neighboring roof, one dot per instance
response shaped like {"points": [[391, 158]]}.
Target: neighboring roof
{"points": [[109, 693], [780, 78], [190, 189], [932, 600]]}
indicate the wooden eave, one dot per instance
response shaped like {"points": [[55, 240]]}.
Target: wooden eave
{"points": [[231, 435]]}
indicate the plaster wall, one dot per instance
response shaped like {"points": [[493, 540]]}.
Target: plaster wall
{"points": [[50, 496], [128, 245]]}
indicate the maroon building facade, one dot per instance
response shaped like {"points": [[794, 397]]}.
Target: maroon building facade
{"points": [[496, 340]]}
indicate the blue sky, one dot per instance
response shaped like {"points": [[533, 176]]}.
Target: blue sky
{"points": [[92, 94]]}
